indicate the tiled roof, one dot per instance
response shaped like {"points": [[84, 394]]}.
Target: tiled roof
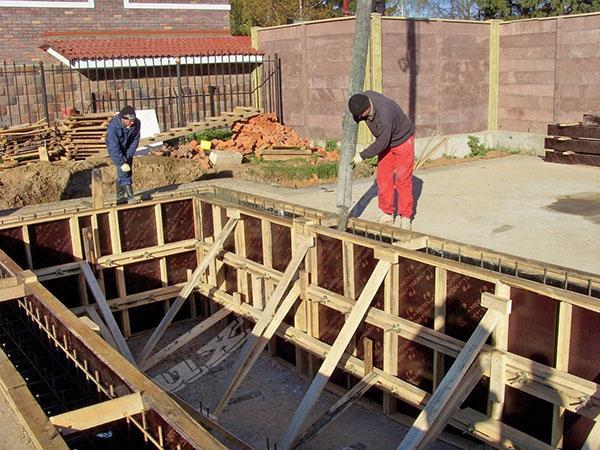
{"points": [[141, 47]]}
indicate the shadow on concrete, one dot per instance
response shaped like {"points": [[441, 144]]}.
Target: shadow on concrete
{"points": [[417, 188], [360, 206]]}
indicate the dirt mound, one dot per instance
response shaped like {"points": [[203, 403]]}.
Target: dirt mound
{"points": [[44, 182]]}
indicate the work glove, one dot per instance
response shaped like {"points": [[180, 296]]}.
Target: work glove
{"points": [[125, 167], [357, 159]]}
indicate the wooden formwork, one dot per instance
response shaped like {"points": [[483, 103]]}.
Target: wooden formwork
{"points": [[534, 384]]}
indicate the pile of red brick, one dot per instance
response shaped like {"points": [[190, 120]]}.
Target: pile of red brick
{"points": [[190, 150], [259, 132]]}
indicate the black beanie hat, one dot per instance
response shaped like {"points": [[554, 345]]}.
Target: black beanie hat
{"points": [[128, 112], [358, 104]]}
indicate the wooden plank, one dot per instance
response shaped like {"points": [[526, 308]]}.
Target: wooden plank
{"points": [[390, 340], [185, 338], [331, 360], [439, 321], [498, 363], [104, 331], [438, 403], [574, 131], [563, 345], [593, 440], [95, 415], [590, 147], [187, 290], [8, 293], [115, 240], [575, 158], [106, 312], [265, 325], [345, 402], [458, 396]]}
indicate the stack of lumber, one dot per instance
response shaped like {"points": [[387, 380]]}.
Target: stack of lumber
{"points": [[84, 135], [574, 143], [266, 137], [28, 142], [226, 119]]}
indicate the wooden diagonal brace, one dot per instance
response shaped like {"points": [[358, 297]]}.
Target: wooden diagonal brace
{"points": [[354, 319], [338, 408], [98, 414], [428, 425], [106, 312], [187, 290], [185, 338], [266, 326]]}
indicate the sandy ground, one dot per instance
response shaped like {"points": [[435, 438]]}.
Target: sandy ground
{"points": [[268, 397]]}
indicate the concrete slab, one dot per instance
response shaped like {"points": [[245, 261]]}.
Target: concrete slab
{"points": [[518, 205]]}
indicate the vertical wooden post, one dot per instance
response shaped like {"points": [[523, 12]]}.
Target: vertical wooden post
{"points": [[563, 342], [494, 67], [115, 239], [78, 254], [439, 321], [390, 340], [27, 242]]}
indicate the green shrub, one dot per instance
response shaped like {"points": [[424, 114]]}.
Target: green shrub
{"points": [[476, 146], [331, 145]]}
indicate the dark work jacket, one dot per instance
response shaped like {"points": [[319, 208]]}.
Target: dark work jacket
{"points": [[390, 126], [122, 142]]}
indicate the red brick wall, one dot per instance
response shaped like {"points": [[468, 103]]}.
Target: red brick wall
{"points": [[22, 29]]}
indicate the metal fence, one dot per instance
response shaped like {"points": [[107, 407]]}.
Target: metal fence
{"points": [[179, 90]]}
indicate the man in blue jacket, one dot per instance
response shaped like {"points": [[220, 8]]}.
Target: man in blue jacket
{"points": [[122, 139]]}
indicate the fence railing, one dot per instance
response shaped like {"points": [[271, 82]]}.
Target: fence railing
{"points": [[180, 91]]}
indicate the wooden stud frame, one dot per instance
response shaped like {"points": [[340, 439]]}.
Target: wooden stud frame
{"points": [[565, 391]]}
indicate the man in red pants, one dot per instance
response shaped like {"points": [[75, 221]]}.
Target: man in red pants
{"points": [[394, 147]]}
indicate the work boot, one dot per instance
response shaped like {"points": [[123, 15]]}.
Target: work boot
{"points": [[386, 219], [405, 223], [129, 194], [120, 194]]}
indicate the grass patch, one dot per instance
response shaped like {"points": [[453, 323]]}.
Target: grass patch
{"points": [[295, 169], [208, 135]]}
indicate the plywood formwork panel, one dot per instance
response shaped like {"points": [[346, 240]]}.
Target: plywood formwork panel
{"points": [[133, 236], [178, 220], [51, 243], [11, 241], [104, 234]]}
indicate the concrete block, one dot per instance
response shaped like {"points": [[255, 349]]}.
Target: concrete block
{"points": [[220, 158]]}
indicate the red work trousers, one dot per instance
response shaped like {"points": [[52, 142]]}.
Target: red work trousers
{"points": [[394, 176]]}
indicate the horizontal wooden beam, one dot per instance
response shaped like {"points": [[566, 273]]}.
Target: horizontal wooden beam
{"points": [[574, 131], [95, 415], [149, 253], [8, 292], [590, 147]]}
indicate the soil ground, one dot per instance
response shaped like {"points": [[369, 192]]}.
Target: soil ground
{"points": [[45, 182]]}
